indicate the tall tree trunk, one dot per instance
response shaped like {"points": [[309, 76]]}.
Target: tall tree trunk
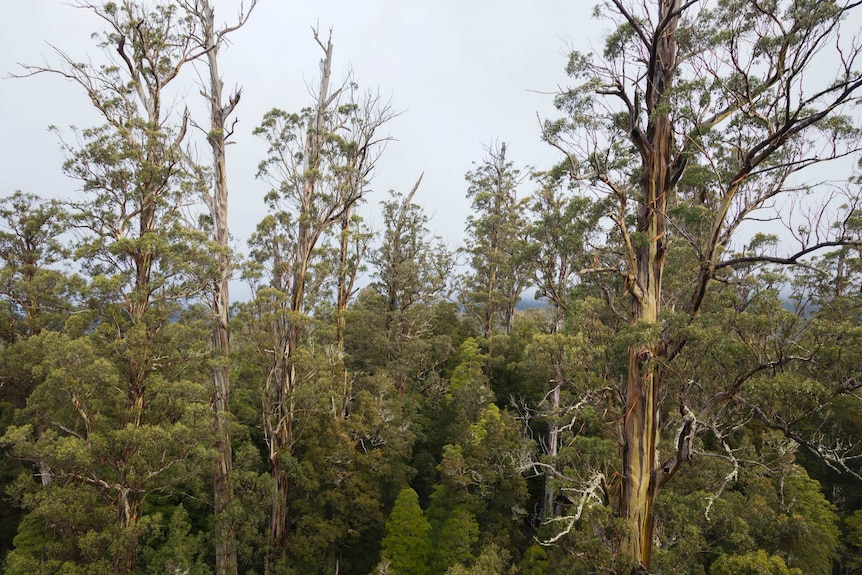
{"points": [[553, 450], [128, 504], [344, 286], [284, 374], [640, 433], [640, 437], [226, 561], [281, 443]]}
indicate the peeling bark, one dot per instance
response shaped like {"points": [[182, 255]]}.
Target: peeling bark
{"points": [[640, 419]]}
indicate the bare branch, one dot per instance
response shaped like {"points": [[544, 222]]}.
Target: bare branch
{"points": [[790, 260]]}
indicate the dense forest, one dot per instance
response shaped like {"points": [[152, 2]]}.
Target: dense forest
{"points": [[683, 397]]}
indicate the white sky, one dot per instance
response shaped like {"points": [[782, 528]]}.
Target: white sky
{"points": [[464, 73]]}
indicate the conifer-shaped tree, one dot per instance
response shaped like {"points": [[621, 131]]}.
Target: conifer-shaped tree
{"points": [[407, 543], [454, 543]]}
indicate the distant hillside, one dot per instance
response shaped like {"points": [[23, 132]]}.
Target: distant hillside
{"points": [[527, 302]]}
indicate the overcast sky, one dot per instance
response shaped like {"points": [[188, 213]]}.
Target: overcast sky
{"points": [[464, 73]]}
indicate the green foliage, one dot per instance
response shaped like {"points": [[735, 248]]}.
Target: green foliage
{"points": [[37, 294], [807, 527], [410, 266], [756, 563], [67, 526], [346, 471], [455, 540], [853, 541], [771, 506], [535, 561], [492, 290], [468, 388], [483, 472], [506, 425], [88, 435], [172, 548], [407, 544], [491, 561]]}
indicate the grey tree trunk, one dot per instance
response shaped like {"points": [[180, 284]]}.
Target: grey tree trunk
{"points": [[225, 530]]}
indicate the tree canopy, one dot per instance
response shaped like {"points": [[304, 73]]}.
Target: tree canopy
{"points": [[683, 397]]}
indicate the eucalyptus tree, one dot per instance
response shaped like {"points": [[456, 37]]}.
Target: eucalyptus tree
{"points": [[120, 405], [557, 239], [36, 292], [411, 270], [736, 98], [38, 295], [360, 148], [210, 40], [318, 162], [498, 278]]}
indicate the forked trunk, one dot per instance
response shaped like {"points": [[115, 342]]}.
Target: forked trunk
{"points": [[128, 504], [281, 447]]}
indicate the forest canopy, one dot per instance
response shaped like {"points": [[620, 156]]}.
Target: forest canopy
{"points": [[684, 396]]}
